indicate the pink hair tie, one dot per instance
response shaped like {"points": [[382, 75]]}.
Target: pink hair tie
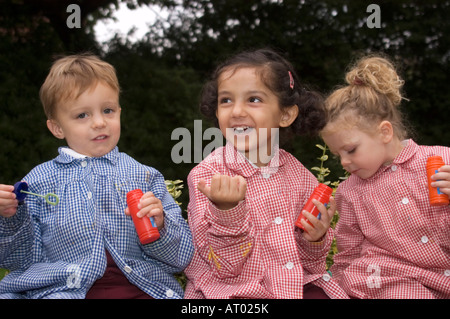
{"points": [[291, 80], [357, 81]]}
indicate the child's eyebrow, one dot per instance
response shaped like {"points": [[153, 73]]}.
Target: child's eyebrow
{"points": [[110, 103], [223, 93], [257, 92], [247, 92]]}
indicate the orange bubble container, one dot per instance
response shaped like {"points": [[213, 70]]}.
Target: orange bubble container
{"points": [[437, 198], [145, 226], [321, 193]]}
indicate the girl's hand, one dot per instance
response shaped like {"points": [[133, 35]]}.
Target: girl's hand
{"points": [[442, 179], [319, 226], [8, 201], [225, 191], [150, 206]]}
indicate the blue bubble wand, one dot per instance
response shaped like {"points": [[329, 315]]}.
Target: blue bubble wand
{"points": [[21, 191]]}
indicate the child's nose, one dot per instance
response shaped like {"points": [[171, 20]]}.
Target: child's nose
{"points": [[345, 161], [98, 121], [238, 109]]}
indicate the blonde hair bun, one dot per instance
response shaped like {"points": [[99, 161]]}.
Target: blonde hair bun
{"points": [[379, 74]]}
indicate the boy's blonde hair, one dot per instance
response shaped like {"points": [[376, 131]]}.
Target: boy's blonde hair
{"points": [[372, 95], [70, 76]]}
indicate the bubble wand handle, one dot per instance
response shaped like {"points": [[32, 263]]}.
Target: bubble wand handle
{"points": [[46, 197]]}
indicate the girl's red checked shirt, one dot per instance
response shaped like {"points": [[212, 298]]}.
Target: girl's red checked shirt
{"points": [[392, 243], [254, 249]]}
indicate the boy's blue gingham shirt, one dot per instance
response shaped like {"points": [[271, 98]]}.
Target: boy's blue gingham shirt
{"points": [[59, 251]]}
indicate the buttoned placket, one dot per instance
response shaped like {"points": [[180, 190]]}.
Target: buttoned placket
{"points": [[278, 220], [424, 239], [84, 164], [265, 175], [169, 293]]}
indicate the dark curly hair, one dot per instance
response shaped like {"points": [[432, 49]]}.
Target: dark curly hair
{"points": [[274, 71]]}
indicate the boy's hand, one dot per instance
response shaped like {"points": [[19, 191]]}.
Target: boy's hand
{"points": [[442, 179], [8, 201], [225, 191], [319, 226], [150, 206]]}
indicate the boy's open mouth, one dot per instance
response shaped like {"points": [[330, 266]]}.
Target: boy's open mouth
{"points": [[100, 137]]}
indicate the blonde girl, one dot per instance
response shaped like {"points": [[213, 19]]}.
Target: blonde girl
{"points": [[392, 243]]}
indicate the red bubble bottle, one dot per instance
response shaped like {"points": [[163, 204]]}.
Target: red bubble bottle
{"points": [[321, 193], [145, 226], [437, 198]]}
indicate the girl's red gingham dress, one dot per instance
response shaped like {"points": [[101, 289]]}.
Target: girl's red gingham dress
{"points": [[392, 243], [254, 250]]}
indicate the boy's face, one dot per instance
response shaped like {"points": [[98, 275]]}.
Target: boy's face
{"points": [[90, 124]]}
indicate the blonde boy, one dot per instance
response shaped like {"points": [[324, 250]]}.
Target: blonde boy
{"points": [[87, 246]]}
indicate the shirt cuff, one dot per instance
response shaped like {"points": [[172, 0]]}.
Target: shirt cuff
{"points": [[317, 246], [11, 225], [233, 217]]}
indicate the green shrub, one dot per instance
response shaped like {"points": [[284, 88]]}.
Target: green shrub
{"points": [[321, 173], [3, 273]]}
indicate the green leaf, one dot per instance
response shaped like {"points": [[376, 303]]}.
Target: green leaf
{"points": [[321, 147]]}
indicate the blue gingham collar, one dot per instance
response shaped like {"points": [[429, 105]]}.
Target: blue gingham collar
{"points": [[65, 157]]}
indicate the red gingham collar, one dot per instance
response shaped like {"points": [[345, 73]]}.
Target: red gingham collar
{"points": [[407, 152], [239, 164], [410, 148]]}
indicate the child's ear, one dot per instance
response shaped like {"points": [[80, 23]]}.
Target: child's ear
{"points": [[55, 128], [289, 115], [386, 131]]}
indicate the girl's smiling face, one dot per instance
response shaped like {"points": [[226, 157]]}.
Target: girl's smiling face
{"points": [[249, 114]]}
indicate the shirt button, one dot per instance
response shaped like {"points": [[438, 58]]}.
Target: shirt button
{"points": [[394, 168], [424, 239], [89, 195], [169, 293], [265, 175], [289, 265], [326, 277], [83, 164], [127, 269], [405, 200], [447, 273], [278, 220]]}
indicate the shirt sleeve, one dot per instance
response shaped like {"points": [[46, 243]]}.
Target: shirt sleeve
{"points": [[174, 249], [349, 237], [16, 239], [222, 238], [314, 254]]}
